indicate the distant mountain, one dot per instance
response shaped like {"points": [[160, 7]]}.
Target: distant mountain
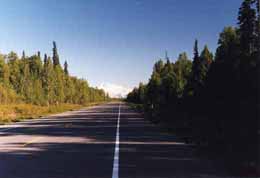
{"points": [[114, 90]]}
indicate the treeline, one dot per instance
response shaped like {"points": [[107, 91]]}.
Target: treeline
{"points": [[212, 99], [32, 80]]}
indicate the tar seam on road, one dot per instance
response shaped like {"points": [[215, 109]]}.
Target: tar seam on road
{"points": [[116, 154]]}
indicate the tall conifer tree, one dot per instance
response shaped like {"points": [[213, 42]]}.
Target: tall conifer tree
{"points": [[55, 58], [66, 71]]}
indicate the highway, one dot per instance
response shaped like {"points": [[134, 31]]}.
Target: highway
{"points": [[105, 141]]}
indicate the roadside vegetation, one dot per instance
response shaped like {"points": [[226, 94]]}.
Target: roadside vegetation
{"points": [[212, 100], [18, 112], [31, 87]]}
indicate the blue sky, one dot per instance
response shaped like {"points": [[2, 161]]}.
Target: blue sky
{"points": [[113, 41]]}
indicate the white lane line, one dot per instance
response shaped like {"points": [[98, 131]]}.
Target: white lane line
{"points": [[116, 154]]}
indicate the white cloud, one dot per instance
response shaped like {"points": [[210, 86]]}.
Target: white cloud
{"points": [[114, 90]]}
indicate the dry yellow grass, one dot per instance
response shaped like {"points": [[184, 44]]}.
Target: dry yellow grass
{"points": [[17, 112]]}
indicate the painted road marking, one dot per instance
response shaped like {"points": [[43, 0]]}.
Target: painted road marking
{"points": [[31, 141], [116, 154]]}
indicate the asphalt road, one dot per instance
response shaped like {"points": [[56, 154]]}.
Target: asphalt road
{"points": [[81, 144]]}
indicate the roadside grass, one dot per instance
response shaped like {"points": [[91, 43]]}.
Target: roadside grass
{"points": [[17, 112]]}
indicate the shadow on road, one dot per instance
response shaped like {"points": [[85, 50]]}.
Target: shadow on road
{"points": [[81, 144]]}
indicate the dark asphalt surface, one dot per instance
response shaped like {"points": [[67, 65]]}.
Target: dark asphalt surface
{"points": [[81, 144]]}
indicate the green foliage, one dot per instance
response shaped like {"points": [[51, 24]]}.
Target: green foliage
{"points": [[213, 103], [182, 70], [58, 84], [55, 57], [30, 80], [247, 20], [7, 95], [228, 47], [138, 94], [200, 66], [16, 112], [206, 57], [4, 71], [164, 89], [66, 71]]}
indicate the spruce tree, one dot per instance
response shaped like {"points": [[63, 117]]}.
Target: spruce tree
{"points": [[23, 55], [183, 57], [45, 59], [39, 54], [206, 57], [195, 77], [196, 62], [55, 58], [158, 66], [247, 22], [66, 71], [257, 41], [228, 49], [38, 83]]}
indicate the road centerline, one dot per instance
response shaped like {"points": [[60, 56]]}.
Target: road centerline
{"points": [[117, 143]]}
